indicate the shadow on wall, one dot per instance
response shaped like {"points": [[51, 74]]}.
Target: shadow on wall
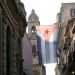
{"points": [[24, 73]]}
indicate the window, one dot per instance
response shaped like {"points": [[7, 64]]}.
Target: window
{"points": [[34, 49], [72, 12], [33, 30]]}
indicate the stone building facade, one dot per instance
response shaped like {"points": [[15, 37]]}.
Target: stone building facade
{"points": [[12, 28], [66, 19], [33, 21], [69, 48]]}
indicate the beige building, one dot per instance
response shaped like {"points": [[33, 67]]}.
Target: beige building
{"points": [[33, 21], [12, 28], [66, 19]]}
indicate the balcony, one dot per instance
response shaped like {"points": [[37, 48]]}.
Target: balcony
{"points": [[65, 47], [73, 30], [71, 58], [64, 68]]}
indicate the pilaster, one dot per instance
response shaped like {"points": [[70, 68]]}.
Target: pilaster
{"points": [[0, 41]]}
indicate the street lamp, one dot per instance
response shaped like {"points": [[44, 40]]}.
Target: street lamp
{"points": [[73, 72]]}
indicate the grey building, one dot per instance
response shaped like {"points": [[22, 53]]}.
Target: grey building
{"points": [[12, 28]]}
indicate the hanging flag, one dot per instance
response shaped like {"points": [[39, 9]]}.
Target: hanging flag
{"points": [[47, 43]]}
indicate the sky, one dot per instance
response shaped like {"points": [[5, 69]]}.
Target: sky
{"points": [[45, 9]]}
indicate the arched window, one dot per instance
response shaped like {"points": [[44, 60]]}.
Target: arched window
{"points": [[8, 51], [34, 50], [33, 30]]}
